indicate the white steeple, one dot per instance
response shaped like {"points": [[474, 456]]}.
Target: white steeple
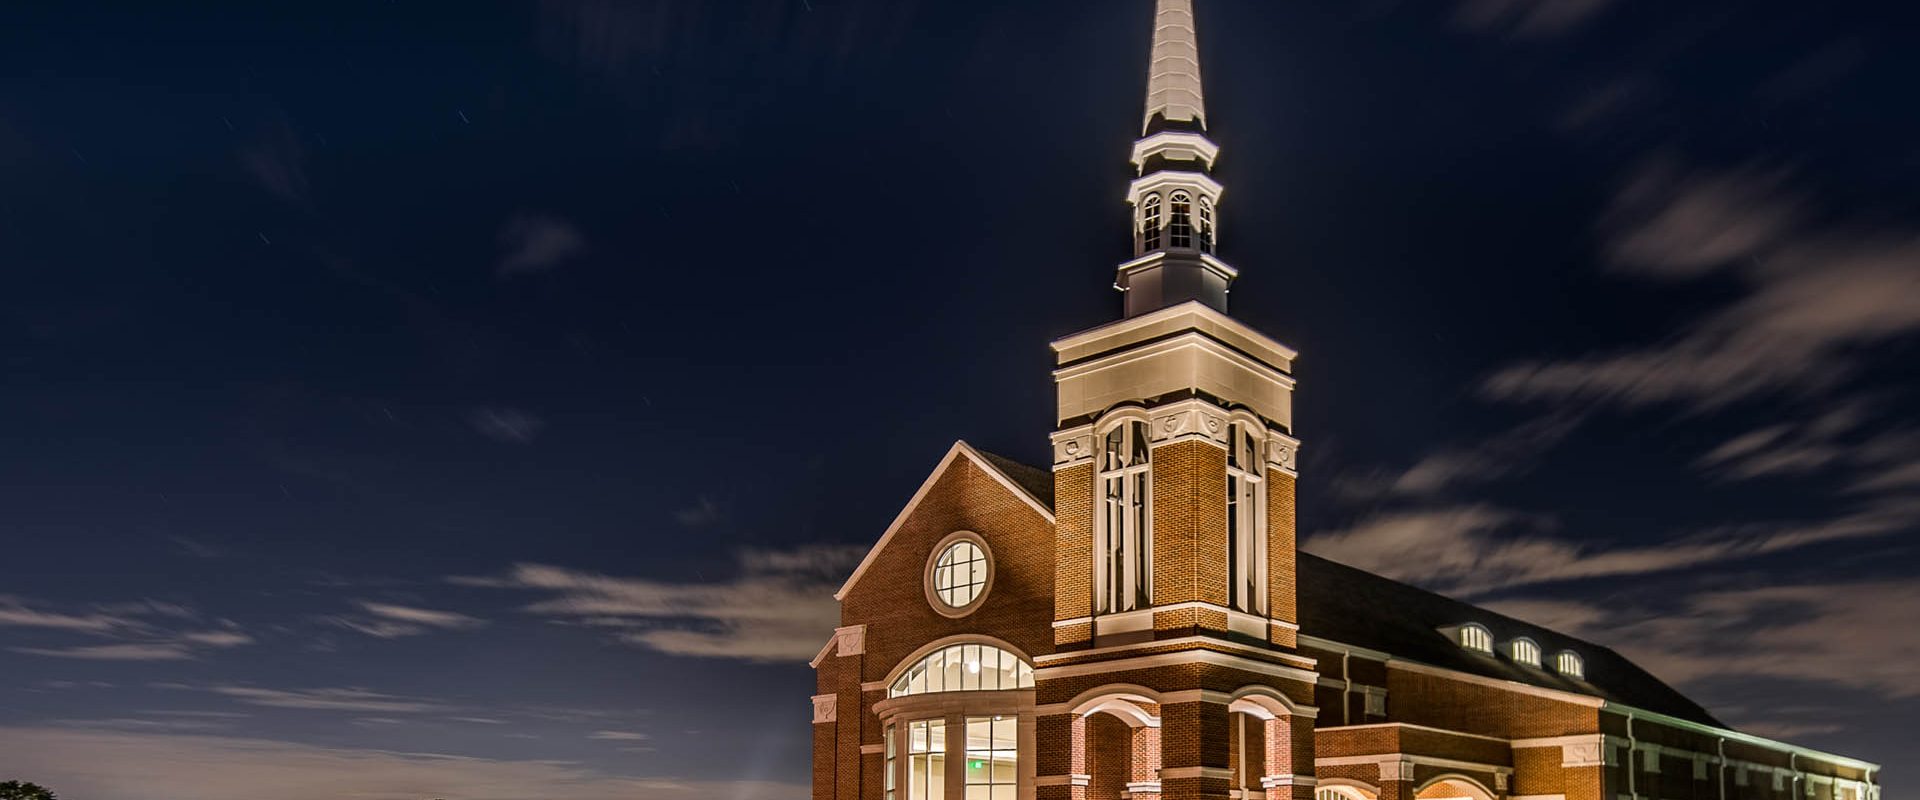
{"points": [[1173, 81], [1175, 198]]}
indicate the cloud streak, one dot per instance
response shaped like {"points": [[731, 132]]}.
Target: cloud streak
{"points": [[1814, 294], [1473, 550], [779, 607], [133, 765]]}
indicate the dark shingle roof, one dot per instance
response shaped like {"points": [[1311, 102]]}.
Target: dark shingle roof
{"points": [[1358, 608], [1038, 482]]}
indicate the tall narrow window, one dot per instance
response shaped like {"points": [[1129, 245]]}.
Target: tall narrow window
{"points": [[993, 758], [1124, 574], [890, 778], [1246, 528], [1180, 221], [1206, 225], [1526, 652], [1150, 224], [927, 760]]}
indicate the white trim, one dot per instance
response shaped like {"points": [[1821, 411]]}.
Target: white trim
{"points": [[825, 650], [1178, 773], [1736, 736], [1329, 644], [1411, 726], [958, 449], [852, 639], [1304, 662], [933, 563], [1143, 787], [875, 686], [901, 667], [1425, 761], [1536, 797], [1133, 715], [826, 708], [873, 749], [1175, 140], [1511, 686], [1279, 781], [1193, 307], [1063, 780], [1199, 604], [1171, 659]]}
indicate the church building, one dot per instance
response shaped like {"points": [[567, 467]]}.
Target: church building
{"points": [[1134, 620]]}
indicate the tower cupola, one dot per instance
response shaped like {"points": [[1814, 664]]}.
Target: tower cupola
{"points": [[1175, 198]]}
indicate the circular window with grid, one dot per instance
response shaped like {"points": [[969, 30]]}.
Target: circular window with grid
{"points": [[961, 572]]}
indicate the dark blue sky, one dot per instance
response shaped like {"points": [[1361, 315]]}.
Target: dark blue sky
{"points": [[385, 379]]}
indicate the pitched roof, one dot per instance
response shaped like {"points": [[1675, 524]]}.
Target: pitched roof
{"points": [[1360, 609]]}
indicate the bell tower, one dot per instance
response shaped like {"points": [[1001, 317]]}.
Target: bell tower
{"points": [[1174, 456]]}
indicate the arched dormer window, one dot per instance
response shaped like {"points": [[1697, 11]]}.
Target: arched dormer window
{"points": [[1123, 547], [1524, 651], [1570, 664], [1180, 220], [1207, 225], [964, 668], [1246, 519], [1150, 224], [1476, 637]]}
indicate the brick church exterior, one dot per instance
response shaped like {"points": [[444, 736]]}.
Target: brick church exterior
{"points": [[1135, 621]]}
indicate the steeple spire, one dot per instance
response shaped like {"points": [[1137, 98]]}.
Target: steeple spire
{"points": [[1175, 198], [1174, 93]]}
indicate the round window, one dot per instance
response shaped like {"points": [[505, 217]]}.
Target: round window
{"points": [[957, 579]]}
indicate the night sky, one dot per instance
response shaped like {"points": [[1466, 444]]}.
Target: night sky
{"points": [[483, 400]]}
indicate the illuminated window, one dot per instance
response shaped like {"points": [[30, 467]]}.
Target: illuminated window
{"points": [[960, 574], [1570, 664], [993, 758], [927, 760], [964, 668], [1525, 652], [1246, 528], [1476, 637], [890, 778], [1206, 225], [1124, 572], [1180, 221], [1150, 224]]}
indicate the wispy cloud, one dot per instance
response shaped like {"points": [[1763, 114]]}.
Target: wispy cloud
{"points": [[1528, 19], [1814, 294], [1470, 550], [1855, 635], [506, 425], [618, 736], [121, 765], [537, 243], [1502, 455], [327, 699], [146, 630], [779, 607], [388, 621], [113, 652]]}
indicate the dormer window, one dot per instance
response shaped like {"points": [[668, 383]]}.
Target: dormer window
{"points": [[1570, 664], [1525, 651], [1476, 637], [1180, 223]]}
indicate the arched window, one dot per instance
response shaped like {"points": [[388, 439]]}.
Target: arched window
{"points": [[1150, 224], [1570, 664], [1180, 221], [1123, 573], [1246, 520], [1206, 224], [1476, 637], [964, 668], [1525, 651]]}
